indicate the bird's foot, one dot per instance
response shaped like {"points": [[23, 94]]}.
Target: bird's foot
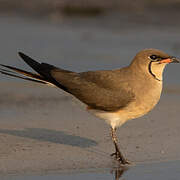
{"points": [[120, 158]]}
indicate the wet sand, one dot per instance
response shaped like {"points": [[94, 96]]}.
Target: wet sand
{"points": [[161, 171], [42, 130]]}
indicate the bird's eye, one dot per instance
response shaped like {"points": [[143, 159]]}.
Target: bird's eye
{"points": [[153, 57]]}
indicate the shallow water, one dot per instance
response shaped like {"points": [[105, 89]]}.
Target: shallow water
{"points": [[160, 171]]}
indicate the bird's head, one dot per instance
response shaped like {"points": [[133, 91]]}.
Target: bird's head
{"points": [[153, 61]]}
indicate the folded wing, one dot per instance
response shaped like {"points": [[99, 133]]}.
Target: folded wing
{"points": [[97, 89]]}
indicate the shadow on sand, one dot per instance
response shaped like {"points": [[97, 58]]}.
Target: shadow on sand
{"points": [[53, 136]]}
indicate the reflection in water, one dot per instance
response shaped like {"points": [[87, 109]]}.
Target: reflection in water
{"points": [[118, 172], [161, 171]]}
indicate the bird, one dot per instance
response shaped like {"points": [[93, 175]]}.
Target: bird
{"points": [[116, 95]]}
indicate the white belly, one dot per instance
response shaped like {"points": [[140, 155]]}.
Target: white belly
{"points": [[112, 118]]}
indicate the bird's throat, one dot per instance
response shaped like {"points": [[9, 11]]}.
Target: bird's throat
{"points": [[154, 74]]}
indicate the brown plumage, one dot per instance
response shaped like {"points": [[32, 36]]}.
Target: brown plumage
{"points": [[107, 95], [113, 95]]}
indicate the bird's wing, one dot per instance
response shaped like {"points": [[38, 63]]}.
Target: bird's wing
{"points": [[97, 89], [103, 90]]}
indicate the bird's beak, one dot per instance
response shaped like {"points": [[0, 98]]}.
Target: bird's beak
{"points": [[175, 60], [170, 60]]}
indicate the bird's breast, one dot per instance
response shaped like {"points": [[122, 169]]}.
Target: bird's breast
{"points": [[145, 100]]}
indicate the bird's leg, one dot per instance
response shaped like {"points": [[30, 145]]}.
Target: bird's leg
{"points": [[118, 155]]}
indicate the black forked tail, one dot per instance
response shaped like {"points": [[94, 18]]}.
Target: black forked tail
{"points": [[26, 75], [43, 70], [22, 74]]}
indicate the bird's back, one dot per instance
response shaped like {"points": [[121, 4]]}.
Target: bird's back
{"points": [[103, 90]]}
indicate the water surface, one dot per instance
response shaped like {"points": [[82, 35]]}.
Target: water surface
{"points": [[160, 171]]}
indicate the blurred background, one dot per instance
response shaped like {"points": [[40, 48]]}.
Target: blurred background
{"points": [[39, 124], [83, 35]]}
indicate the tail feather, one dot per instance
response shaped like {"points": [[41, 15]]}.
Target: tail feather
{"points": [[32, 63], [5, 70], [28, 75], [25, 73], [43, 70], [25, 78]]}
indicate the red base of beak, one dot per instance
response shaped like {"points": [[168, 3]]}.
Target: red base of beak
{"points": [[165, 61]]}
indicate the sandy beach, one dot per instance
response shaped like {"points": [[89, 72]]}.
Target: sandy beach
{"points": [[43, 130]]}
